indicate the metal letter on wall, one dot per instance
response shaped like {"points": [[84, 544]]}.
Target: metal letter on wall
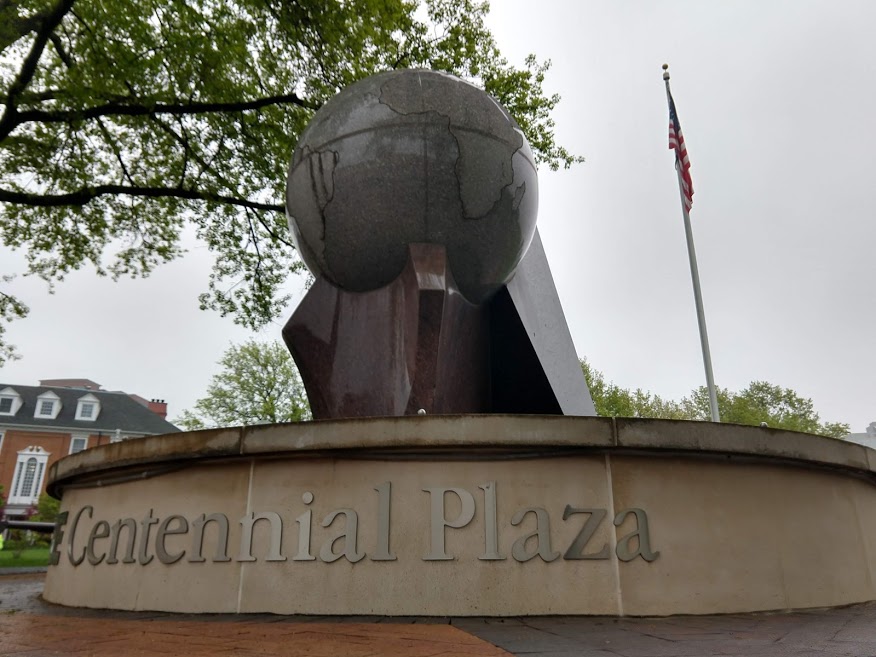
{"points": [[247, 523], [491, 524], [383, 553], [164, 529], [438, 521], [542, 535], [643, 549], [198, 526], [350, 536], [131, 525], [77, 560], [576, 549]]}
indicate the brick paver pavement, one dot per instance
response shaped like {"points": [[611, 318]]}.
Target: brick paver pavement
{"points": [[31, 635], [30, 627]]}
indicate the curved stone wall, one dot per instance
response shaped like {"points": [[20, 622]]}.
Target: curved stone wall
{"points": [[468, 515]]}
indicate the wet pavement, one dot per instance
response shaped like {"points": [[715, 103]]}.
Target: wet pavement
{"points": [[33, 628]]}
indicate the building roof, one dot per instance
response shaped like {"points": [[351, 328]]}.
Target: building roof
{"points": [[88, 384], [118, 410]]}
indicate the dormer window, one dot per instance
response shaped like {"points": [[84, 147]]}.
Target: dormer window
{"points": [[87, 408], [48, 405], [10, 401]]}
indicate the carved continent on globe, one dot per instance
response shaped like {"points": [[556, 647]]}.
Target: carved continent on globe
{"points": [[409, 157]]}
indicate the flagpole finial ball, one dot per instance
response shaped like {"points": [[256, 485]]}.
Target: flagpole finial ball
{"points": [[407, 157], [666, 67]]}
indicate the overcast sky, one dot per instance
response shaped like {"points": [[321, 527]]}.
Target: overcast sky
{"points": [[777, 101]]}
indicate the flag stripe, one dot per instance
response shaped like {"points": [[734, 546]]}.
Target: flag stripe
{"points": [[682, 161]]}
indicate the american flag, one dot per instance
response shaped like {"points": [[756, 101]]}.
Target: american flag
{"points": [[682, 161]]}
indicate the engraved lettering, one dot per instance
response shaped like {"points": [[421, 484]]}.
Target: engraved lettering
{"points": [[74, 560], [129, 540], [439, 521], [304, 523], [145, 525], [542, 536], [100, 530], [576, 549], [383, 553], [198, 526], [350, 536], [491, 524], [643, 548], [248, 522], [164, 530], [131, 525]]}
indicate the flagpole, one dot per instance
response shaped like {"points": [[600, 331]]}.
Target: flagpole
{"points": [[695, 277]]}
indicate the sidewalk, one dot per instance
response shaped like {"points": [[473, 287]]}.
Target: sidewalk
{"points": [[30, 627]]}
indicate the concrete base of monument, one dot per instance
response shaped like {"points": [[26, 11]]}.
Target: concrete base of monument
{"points": [[467, 515]]}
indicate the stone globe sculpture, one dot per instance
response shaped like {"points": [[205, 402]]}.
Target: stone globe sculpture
{"points": [[412, 197], [408, 157]]}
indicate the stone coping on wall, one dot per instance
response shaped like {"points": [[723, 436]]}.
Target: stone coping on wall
{"points": [[457, 436]]}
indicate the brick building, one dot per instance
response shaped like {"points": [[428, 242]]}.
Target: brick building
{"points": [[41, 424]]}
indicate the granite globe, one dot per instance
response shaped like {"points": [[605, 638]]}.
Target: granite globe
{"points": [[412, 156]]}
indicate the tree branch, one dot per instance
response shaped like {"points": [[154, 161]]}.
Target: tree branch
{"points": [[115, 149], [10, 117], [62, 52], [187, 151], [86, 194], [255, 243], [13, 26], [206, 166], [142, 109], [271, 232]]}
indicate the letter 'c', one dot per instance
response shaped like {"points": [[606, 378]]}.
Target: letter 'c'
{"points": [[73, 526]]}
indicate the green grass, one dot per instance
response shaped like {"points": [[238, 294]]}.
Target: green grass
{"points": [[31, 557]]}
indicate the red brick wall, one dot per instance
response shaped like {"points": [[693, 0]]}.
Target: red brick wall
{"points": [[15, 440]]}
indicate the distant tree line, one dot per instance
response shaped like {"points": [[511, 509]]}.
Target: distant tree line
{"points": [[258, 383], [780, 408]]}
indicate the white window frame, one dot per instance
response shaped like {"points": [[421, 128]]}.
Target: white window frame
{"points": [[2, 435], [40, 458], [82, 402], [56, 406], [74, 438], [9, 393]]}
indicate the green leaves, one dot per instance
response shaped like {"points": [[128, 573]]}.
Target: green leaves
{"points": [[258, 384], [123, 121], [613, 401], [10, 308], [780, 408], [47, 509]]}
